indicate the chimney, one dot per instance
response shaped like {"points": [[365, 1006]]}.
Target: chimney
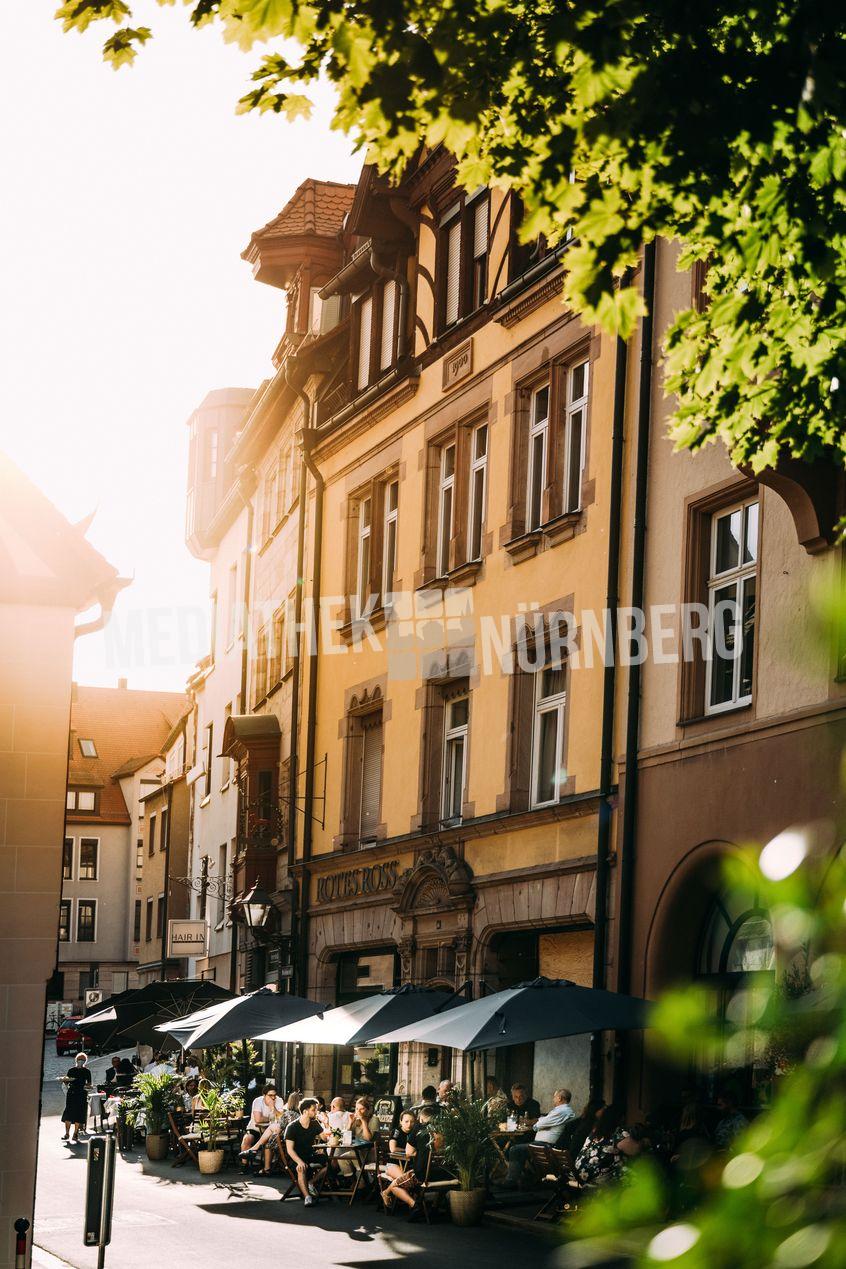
{"points": [[122, 684]]}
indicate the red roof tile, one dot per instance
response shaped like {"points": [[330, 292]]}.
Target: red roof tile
{"points": [[318, 207], [125, 725]]}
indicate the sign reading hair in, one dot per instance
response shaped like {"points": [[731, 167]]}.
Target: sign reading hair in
{"points": [[187, 938]]}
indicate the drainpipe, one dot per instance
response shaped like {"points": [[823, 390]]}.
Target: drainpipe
{"points": [[245, 608], [166, 906], [629, 827], [606, 760]]}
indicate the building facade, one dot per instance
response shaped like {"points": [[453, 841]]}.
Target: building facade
{"points": [[115, 743]]}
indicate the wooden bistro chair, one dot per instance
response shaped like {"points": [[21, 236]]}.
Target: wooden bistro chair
{"points": [[555, 1168], [289, 1168], [435, 1188], [186, 1140]]}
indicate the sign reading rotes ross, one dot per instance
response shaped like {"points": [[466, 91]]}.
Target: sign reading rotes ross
{"points": [[357, 881]]}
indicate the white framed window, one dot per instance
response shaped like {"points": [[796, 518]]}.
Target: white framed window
{"points": [[480, 210], [537, 459], [387, 351], [548, 771], [81, 800], [364, 545], [446, 504], [65, 921], [732, 602], [365, 340], [87, 748], [456, 719], [231, 604], [389, 538], [452, 277], [478, 491], [271, 503], [86, 920], [67, 859], [370, 794], [89, 858], [575, 430], [315, 310]]}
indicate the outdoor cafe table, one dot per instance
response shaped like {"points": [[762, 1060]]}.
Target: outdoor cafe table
{"points": [[360, 1149], [503, 1139]]}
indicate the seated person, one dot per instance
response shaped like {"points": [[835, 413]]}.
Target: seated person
{"points": [[607, 1149], [445, 1089], [576, 1130], [109, 1084], [429, 1097], [421, 1143], [496, 1099], [192, 1087], [291, 1109], [338, 1119], [364, 1124], [402, 1137], [521, 1105], [264, 1125], [731, 1122], [300, 1138], [548, 1130]]}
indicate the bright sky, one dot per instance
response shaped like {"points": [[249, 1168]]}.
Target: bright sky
{"points": [[128, 197]]}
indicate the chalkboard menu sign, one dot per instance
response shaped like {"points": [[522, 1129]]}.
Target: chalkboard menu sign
{"points": [[387, 1111]]}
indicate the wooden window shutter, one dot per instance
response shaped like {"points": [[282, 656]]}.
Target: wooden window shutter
{"points": [[371, 775], [389, 309], [453, 273], [480, 228], [365, 334]]}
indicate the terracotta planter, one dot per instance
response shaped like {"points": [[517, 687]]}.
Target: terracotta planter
{"points": [[210, 1161], [466, 1206], [156, 1144]]}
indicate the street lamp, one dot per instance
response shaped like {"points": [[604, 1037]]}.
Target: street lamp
{"points": [[257, 906]]}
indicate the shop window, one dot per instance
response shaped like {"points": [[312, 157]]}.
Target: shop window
{"points": [[366, 1068], [721, 594], [67, 859], [549, 447], [363, 779]]}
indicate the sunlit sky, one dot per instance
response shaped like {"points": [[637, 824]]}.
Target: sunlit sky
{"points": [[127, 199]]}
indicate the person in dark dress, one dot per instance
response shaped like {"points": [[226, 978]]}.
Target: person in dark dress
{"points": [[78, 1081]]}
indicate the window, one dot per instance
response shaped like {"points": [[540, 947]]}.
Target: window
{"points": [[148, 923], [270, 513], [478, 491], [64, 921], [463, 258], [67, 859], [120, 980], [389, 538], [139, 858], [538, 444], [455, 759], [315, 309], [549, 773], [232, 605], [159, 916], [260, 667], [204, 886], [446, 498], [82, 800], [278, 650], [211, 454], [136, 922], [574, 437], [208, 745], [365, 341], [163, 833], [212, 623], [227, 765], [363, 794], [732, 580], [388, 342], [151, 839], [86, 920], [362, 568], [89, 849], [175, 760], [87, 748]]}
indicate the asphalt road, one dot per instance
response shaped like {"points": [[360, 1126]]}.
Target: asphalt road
{"points": [[166, 1215]]}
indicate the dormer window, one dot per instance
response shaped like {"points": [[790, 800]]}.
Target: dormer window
{"points": [[375, 326], [87, 748], [463, 258]]}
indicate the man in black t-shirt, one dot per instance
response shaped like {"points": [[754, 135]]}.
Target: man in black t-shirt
{"points": [[521, 1105], [300, 1137]]}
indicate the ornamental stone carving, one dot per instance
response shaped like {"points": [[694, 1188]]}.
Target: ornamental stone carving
{"points": [[438, 879]]}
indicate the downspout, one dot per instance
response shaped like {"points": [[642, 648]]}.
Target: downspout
{"points": [[629, 826], [606, 759], [294, 747], [166, 906], [245, 609]]}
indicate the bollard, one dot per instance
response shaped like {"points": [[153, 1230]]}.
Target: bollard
{"points": [[21, 1226]]}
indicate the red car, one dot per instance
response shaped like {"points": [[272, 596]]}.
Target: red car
{"points": [[69, 1038]]}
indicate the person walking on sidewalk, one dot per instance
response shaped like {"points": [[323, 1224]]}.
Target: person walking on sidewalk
{"points": [[78, 1081]]}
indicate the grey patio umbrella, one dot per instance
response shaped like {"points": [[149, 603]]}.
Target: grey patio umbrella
{"points": [[543, 1009], [134, 1018], [357, 1022], [243, 1016]]}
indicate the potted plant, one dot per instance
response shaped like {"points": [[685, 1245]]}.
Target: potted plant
{"points": [[217, 1106], [465, 1131], [154, 1096]]}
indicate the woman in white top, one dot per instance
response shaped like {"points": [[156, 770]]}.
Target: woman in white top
{"points": [[263, 1126]]}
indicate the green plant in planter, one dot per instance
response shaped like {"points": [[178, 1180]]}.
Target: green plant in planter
{"points": [[218, 1105], [156, 1096], [466, 1131]]}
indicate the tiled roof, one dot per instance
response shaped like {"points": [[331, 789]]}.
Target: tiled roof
{"points": [[318, 207], [43, 558], [125, 725]]}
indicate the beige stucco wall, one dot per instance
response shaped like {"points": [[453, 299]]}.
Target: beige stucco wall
{"points": [[36, 647]]}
